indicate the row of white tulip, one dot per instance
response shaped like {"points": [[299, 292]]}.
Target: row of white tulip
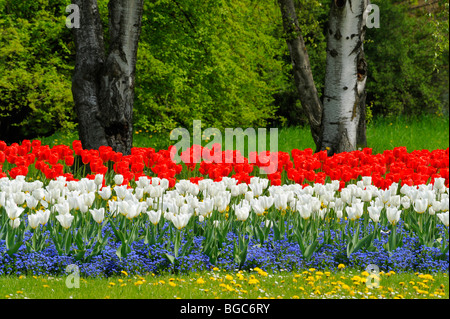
{"points": [[152, 197]]}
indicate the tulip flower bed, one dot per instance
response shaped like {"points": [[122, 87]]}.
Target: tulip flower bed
{"points": [[143, 213]]}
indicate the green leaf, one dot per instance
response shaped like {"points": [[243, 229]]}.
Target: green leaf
{"points": [[310, 250], [170, 258]]}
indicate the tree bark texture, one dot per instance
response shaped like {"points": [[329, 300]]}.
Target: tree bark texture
{"points": [[301, 67], [89, 62], [343, 121], [103, 84]]}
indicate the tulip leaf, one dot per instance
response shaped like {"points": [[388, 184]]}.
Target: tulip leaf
{"points": [[170, 258], [310, 249]]}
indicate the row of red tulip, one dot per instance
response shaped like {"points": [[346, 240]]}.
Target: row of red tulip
{"points": [[301, 166]]}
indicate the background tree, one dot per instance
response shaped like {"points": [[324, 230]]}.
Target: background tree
{"points": [[103, 83], [335, 120], [224, 62]]}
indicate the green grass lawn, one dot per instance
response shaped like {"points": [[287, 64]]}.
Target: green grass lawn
{"points": [[429, 132], [216, 284]]}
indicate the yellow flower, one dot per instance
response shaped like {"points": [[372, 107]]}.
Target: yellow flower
{"points": [[112, 284], [124, 272], [200, 281], [138, 283], [341, 266], [312, 269], [215, 269], [229, 277], [172, 284]]}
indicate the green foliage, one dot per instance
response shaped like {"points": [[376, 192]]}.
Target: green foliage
{"points": [[408, 60], [215, 62], [36, 61], [223, 62], [312, 17]]}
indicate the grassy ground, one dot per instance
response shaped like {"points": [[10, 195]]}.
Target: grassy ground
{"points": [[215, 284], [427, 133]]}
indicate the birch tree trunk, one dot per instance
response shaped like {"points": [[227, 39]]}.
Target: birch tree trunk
{"points": [[301, 67], [343, 119], [103, 85]]}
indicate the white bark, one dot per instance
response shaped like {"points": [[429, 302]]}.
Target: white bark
{"points": [[345, 76]]}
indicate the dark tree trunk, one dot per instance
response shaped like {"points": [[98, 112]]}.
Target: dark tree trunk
{"points": [[301, 67], [103, 85], [90, 58]]}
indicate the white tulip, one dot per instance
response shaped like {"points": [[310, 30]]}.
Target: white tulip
{"points": [[266, 202], [249, 196], [367, 180], [420, 205], [304, 210], [121, 191], [234, 190], [118, 179], [393, 214], [105, 192], [242, 212], [256, 188], [374, 213], [405, 202], [394, 201], [243, 188], [359, 209], [13, 211], [44, 216], [439, 183], [154, 216], [19, 198], [31, 202], [257, 208], [98, 214], [443, 217], [351, 212], [65, 220], [34, 220], [62, 208], [180, 220]]}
